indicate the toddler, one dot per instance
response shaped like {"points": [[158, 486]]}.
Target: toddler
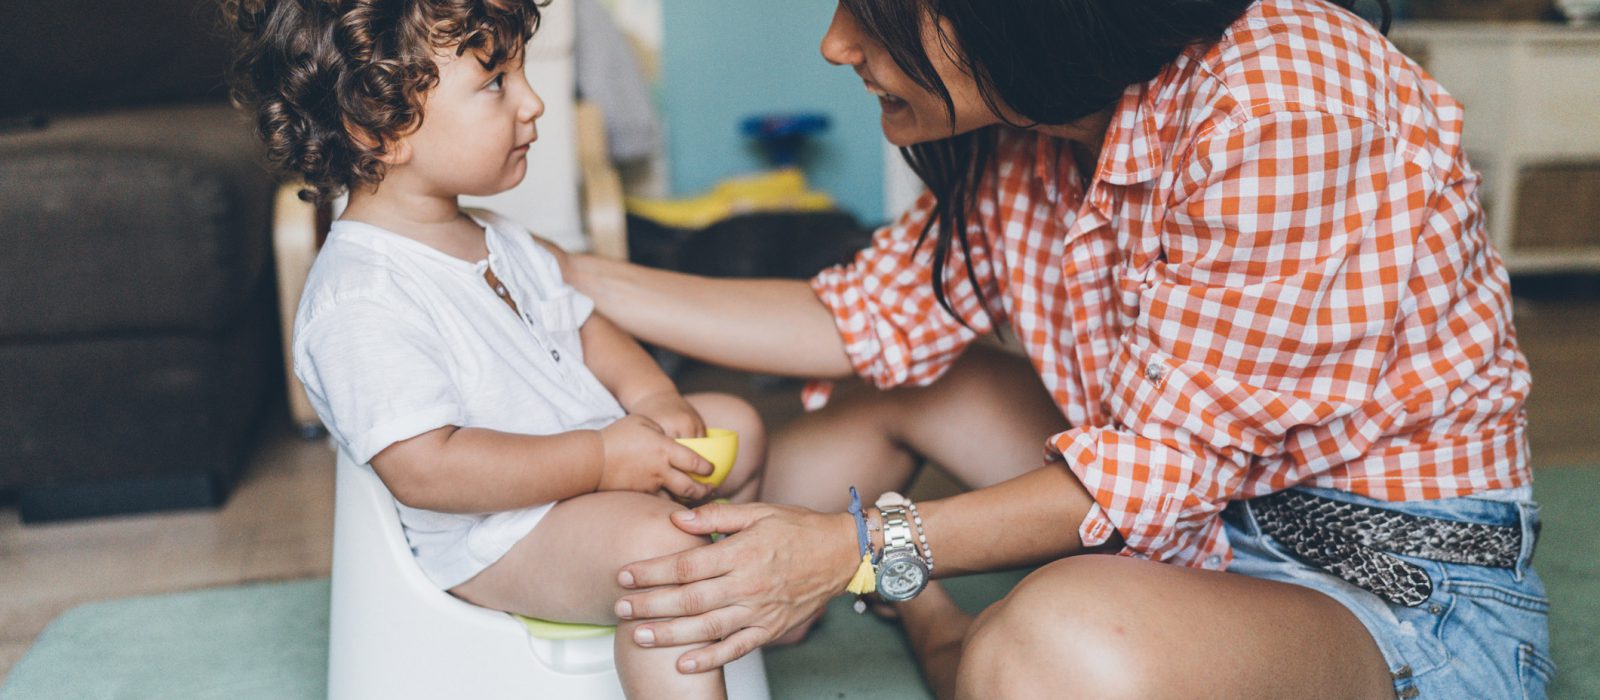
{"points": [[527, 439]]}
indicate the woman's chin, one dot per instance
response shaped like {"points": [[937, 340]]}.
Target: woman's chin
{"points": [[899, 134]]}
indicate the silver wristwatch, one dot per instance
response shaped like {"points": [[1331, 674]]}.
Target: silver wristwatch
{"points": [[902, 572]]}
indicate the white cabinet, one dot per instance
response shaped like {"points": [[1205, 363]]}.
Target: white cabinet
{"points": [[1532, 97]]}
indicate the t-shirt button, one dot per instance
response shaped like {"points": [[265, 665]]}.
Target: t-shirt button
{"points": [[556, 355]]}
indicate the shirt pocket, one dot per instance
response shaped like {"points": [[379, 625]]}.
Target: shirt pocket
{"points": [[559, 319]]}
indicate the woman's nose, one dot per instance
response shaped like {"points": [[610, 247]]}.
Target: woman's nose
{"points": [[841, 46]]}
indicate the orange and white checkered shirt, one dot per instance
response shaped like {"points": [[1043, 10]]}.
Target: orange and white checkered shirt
{"points": [[1277, 276]]}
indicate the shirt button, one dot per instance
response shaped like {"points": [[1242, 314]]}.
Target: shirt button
{"points": [[1155, 371], [1213, 561], [555, 354]]}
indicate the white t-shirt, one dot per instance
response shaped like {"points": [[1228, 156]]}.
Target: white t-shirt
{"points": [[394, 338]]}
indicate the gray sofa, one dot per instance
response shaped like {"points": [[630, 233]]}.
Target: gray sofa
{"points": [[138, 319]]}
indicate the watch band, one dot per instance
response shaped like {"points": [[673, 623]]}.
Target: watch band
{"points": [[903, 573], [897, 532]]}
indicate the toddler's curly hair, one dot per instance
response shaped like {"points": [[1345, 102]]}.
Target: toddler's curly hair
{"points": [[335, 82]]}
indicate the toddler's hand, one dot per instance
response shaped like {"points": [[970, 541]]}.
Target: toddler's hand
{"points": [[639, 456], [670, 411]]}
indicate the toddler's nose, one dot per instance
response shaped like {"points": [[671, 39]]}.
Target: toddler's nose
{"points": [[532, 107]]}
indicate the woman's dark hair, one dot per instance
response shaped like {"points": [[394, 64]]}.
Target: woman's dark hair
{"points": [[1048, 61], [335, 82]]}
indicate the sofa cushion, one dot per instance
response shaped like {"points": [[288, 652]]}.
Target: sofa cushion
{"points": [[148, 220], [86, 409]]}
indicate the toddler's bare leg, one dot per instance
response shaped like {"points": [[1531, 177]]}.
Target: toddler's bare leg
{"points": [[566, 570], [733, 413]]}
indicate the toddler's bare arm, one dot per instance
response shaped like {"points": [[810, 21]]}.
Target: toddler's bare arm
{"points": [[475, 470], [633, 377]]}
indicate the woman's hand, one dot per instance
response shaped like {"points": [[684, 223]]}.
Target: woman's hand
{"points": [[638, 456], [777, 567], [670, 411]]}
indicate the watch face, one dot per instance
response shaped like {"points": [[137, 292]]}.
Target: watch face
{"points": [[901, 579]]}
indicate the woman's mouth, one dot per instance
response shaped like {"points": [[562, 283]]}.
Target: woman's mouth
{"points": [[888, 102]]}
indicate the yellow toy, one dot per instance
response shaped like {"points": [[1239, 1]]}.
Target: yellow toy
{"points": [[719, 447]]}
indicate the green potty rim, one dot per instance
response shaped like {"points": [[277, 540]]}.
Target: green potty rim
{"points": [[561, 631]]}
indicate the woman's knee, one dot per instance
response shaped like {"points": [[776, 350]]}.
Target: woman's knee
{"points": [[1054, 636]]}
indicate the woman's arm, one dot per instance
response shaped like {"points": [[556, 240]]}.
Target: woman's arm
{"points": [[758, 325], [785, 563]]}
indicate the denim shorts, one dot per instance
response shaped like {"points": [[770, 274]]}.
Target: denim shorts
{"points": [[1484, 633]]}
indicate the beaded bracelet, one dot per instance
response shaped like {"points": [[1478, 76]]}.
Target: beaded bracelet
{"points": [[922, 536]]}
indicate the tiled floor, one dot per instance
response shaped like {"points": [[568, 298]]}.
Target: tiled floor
{"points": [[279, 521]]}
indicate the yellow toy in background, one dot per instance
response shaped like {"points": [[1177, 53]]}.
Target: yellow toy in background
{"points": [[781, 189]]}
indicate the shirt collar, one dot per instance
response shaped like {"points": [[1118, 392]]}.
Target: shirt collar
{"points": [[1131, 152]]}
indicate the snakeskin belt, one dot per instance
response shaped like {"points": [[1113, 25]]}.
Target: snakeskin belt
{"points": [[1357, 543]]}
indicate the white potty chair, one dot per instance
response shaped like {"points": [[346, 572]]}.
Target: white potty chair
{"points": [[394, 635]]}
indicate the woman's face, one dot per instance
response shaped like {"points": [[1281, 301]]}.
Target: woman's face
{"points": [[911, 114]]}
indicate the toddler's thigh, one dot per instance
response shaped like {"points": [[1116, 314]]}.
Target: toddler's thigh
{"points": [[566, 568]]}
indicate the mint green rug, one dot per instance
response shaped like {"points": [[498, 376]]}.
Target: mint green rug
{"points": [[269, 641]]}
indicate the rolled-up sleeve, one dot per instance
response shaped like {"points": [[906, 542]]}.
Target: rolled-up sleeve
{"points": [[1263, 334], [894, 330]]}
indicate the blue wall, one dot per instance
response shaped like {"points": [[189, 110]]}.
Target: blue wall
{"points": [[725, 59]]}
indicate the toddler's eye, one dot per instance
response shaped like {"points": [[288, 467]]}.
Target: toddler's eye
{"points": [[497, 82]]}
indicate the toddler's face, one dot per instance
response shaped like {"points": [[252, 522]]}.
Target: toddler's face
{"points": [[476, 128]]}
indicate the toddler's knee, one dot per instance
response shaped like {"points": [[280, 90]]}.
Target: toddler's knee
{"points": [[736, 414], [655, 536]]}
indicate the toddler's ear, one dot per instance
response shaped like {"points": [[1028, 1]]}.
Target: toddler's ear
{"points": [[397, 152], [394, 152]]}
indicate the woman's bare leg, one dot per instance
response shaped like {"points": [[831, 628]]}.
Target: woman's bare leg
{"points": [[566, 570], [1107, 627], [1091, 626], [985, 421], [937, 629]]}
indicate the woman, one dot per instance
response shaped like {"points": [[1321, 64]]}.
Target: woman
{"points": [[1269, 353]]}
